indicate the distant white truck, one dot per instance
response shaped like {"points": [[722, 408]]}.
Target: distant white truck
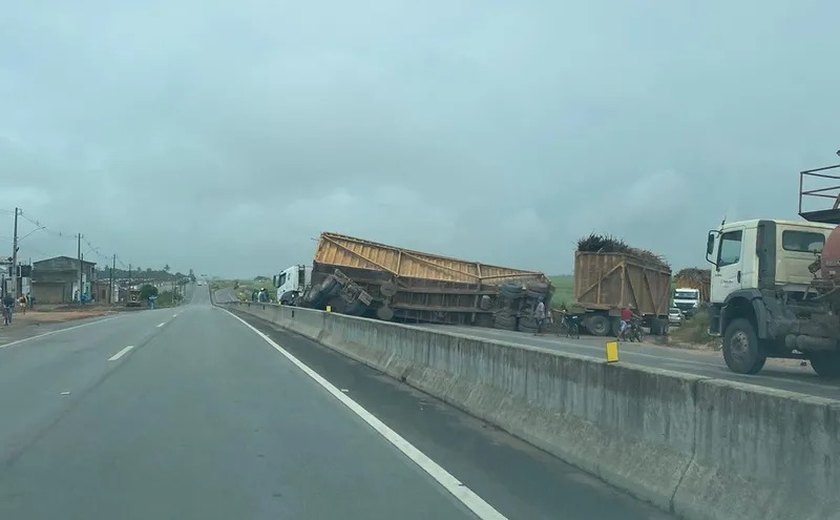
{"points": [[292, 282], [687, 300]]}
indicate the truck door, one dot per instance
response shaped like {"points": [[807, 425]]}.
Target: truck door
{"points": [[727, 276]]}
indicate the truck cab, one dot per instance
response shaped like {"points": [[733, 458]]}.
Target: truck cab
{"points": [[291, 283], [687, 300], [764, 301]]}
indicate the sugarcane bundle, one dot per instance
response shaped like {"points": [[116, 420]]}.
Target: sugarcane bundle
{"points": [[595, 243]]}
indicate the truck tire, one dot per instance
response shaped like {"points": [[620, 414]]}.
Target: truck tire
{"points": [[741, 350], [511, 291], [826, 364], [536, 290], [658, 327], [385, 313], [598, 325], [356, 308], [504, 321]]}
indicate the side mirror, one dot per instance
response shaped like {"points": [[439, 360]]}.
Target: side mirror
{"points": [[710, 247]]}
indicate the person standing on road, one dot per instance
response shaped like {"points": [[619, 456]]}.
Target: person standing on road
{"points": [[254, 295], [539, 316], [626, 316], [263, 296], [8, 306], [22, 303]]}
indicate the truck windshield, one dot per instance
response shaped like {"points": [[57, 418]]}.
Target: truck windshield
{"points": [[805, 241]]}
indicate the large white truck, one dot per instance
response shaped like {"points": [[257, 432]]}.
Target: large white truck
{"points": [[773, 293], [292, 282], [687, 300]]}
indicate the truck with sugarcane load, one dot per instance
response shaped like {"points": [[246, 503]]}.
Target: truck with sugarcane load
{"points": [[775, 288], [361, 277], [610, 276], [691, 293]]}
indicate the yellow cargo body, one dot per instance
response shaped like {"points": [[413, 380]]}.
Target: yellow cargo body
{"points": [[347, 252]]}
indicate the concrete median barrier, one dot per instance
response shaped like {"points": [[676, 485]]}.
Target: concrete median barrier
{"points": [[701, 447], [762, 453]]}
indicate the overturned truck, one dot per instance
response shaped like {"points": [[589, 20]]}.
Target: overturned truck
{"points": [[359, 277]]}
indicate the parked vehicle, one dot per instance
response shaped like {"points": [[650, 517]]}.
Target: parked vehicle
{"points": [[634, 331], [605, 283], [675, 316], [687, 300], [695, 279], [775, 286]]}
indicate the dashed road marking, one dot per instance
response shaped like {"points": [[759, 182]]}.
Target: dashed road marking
{"points": [[121, 353]]}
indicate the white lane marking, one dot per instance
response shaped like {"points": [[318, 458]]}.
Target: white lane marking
{"points": [[460, 491], [174, 315], [30, 338], [159, 325], [121, 353], [65, 393]]}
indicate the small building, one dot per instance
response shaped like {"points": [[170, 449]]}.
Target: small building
{"points": [[102, 291], [56, 280]]}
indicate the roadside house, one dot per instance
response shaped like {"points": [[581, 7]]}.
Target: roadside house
{"points": [[56, 280]]}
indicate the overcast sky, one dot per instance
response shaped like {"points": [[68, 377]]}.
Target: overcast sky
{"points": [[225, 136]]}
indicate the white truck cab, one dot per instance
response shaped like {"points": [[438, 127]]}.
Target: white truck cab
{"points": [[763, 301], [291, 283], [687, 300]]}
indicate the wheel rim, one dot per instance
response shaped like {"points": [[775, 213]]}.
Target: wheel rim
{"points": [[739, 345]]}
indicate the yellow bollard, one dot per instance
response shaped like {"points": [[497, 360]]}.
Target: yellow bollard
{"points": [[612, 351], [329, 308]]}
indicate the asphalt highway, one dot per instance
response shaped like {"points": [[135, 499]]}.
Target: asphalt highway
{"points": [[193, 413]]}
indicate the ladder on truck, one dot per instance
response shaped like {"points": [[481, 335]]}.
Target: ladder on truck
{"points": [[814, 187]]}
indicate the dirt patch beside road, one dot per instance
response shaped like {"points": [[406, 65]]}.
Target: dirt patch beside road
{"points": [[38, 317]]}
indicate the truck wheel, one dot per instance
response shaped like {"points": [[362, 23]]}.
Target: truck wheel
{"points": [[826, 364], [598, 325], [740, 348], [385, 313], [505, 321]]}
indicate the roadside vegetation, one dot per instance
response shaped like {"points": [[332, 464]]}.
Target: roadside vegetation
{"points": [[244, 288], [564, 288], [694, 331]]}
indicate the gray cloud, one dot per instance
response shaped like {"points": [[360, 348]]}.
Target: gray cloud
{"points": [[224, 136]]}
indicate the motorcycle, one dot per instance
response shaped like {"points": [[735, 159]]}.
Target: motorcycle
{"points": [[569, 326], [634, 331]]}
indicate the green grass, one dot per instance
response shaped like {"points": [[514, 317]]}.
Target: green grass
{"points": [[564, 289], [244, 287]]}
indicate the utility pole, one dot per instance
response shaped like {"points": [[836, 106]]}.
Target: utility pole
{"points": [[14, 257], [79, 258], [111, 287], [129, 279]]}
